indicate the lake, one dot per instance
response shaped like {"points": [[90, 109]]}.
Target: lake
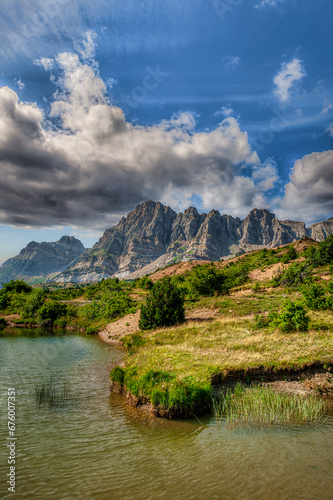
{"points": [[94, 446]]}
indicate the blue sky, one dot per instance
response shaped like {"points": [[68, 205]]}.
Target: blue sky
{"points": [[220, 104]]}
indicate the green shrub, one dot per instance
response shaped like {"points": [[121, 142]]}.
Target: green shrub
{"points": [[92, 330], [116, 305], [291, 254], [325, 251], [117, 375], [291, 318], [314, 296], [13, 295], [164, 306], [323, 254], [164, 390], [50, 311], [330, 287], [110, 306], [145, 283], [206, 280], [2, 323], [17, 286], [33, 301], [294, 276]]}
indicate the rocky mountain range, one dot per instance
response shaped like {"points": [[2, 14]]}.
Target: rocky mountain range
{"points": [[153, 235], [41, 259]]}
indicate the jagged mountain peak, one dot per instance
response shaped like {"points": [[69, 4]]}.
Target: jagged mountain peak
{"points": [[154, 235], [44, 258]]}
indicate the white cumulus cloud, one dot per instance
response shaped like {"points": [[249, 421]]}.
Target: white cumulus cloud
{"points": [[290, 73], [309, 194], [84, 162]]}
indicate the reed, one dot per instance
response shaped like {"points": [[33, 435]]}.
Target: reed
{"points": [[261, 405], [50, 394]]}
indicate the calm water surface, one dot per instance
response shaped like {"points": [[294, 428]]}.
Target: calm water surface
{"points": [[97, 447]]}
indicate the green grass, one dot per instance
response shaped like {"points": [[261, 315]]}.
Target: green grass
{"points": [[190, 355], [262, 405], [165, 390]]}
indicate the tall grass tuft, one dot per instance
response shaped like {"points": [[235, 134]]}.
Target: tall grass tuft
{"points": [[261, 405], [51, 395]]}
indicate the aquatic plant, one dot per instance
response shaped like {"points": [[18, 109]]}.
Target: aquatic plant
{"points": [[261, 405], [50, 394]]}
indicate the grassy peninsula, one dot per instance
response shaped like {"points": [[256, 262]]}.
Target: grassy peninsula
{"points": [[265, 316]]}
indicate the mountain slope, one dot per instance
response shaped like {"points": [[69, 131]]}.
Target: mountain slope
{"points": [[153, 235], [41, 259]]}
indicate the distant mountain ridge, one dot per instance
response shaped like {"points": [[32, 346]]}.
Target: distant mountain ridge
{"points": [[153, 235], [42, 259]]}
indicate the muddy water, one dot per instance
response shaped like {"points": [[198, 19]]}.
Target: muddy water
{"points": [[95, 447]]}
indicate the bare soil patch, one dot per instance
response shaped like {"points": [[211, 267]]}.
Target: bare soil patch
{"points": [[320, 383], [176, 269], [267, 274], [115, 331]]}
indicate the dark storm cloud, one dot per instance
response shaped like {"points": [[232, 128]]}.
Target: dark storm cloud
{"points": [[96, 164]]}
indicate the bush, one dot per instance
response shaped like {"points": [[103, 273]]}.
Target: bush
{"points": [[291, 254], [325, 251], [50, 311], [330, 287], [116, 305], [2, 323], [145, 283], [32, 303], [117, 375], [295, 275], [314, 296], [164, 306], [207, 280], [110, 306], [291, 318], [165, 391], [17, 286]]}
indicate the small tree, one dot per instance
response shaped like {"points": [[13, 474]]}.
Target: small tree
{"points": [[51, 311], [291, 318], [291, 254], [164, 306], [207, 280], [314, 296]]}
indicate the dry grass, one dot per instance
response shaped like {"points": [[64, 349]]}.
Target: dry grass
{"points": [[225, 344]]}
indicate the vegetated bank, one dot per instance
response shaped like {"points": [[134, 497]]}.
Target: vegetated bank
{"points": [[85, 308], [266, 330]]}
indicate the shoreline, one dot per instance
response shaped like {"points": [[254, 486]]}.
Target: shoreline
{"points": [[310, 379]]}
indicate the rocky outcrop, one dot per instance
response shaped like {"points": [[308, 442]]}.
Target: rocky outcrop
{"points": [[41, 259], [321, 230], [261, 228], [136, 241], [153, 235]]}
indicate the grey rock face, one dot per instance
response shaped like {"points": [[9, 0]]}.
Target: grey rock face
{"points": [[136, 241], [154, 235], [38, 259], [321, 230]]}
